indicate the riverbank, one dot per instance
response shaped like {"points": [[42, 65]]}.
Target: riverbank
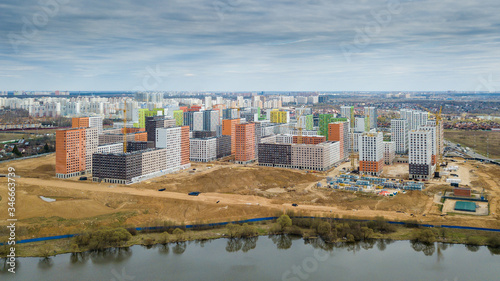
{"points": [[329, 230]]}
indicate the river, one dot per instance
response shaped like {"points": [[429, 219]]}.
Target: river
{"points": [[268, 258]]}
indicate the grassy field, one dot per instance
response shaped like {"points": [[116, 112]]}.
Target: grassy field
{"points": [[11, 136], [476, 140]]}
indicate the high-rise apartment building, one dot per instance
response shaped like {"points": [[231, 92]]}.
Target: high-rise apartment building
{"points": [[229, 129], [155, 122], [371, 153], [70, 152], [203, 150], [434, 143], [179, 117], [348, 112], [420, 155], [74, 149], [131, 167], [389, 152], [399, 135], [211, 120], [176, 142], [339, 131], [372, 114], [87, 122], [414, 118], [280, 116], [245, 143]]}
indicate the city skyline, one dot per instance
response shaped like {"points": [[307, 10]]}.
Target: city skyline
{"points": [[237, 45]]}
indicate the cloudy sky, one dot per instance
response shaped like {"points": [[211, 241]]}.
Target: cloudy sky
{"points": [[250, 45]]}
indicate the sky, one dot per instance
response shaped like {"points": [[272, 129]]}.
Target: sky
{"points": [[250, 45]]}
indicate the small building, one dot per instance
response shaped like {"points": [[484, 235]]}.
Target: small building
{"points": [[462, 191]]}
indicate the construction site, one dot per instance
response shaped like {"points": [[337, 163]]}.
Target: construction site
{"points": [[50, 206]]}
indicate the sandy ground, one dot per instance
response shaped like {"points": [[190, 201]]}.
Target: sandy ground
{"points": [[229, 192]]}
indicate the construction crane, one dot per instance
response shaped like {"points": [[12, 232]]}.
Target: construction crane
{"points": [[439, 157]]}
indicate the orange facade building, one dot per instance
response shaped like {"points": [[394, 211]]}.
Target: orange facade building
{"points": [[80, 122], [245, 143], [185, 149], [310, 139], [70, 152], [229, 129], [336, 133]]}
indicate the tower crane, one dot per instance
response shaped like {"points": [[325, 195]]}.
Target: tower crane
{"points": [[439, 134], [299, 125]]}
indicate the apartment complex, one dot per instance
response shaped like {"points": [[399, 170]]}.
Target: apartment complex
{"points": [[389, 152], [399, 135], [223, 146], [70, 152], [155, 122], [179, 117], [339, 131], [309, 139], [348, 113], [420, 155], [324, 120], [131, 167], [414, 118], [319, 157], [114, 138], [371, 153], [203, 150], [143, 113], [280, 116], [176, 142], [434, 143], [87, 122], [110, 148], [371, 114], [245, 143], [211, 120], [229, 129]]}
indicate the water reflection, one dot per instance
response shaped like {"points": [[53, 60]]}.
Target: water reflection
{"points": [[244, 244], [79, 258], [112, 255], [179, 248], [4, 265], [283, 241], [164, 249], [427, 249], [45, 263], [494, 251]]}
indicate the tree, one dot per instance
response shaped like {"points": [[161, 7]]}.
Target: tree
{"points": [[284, 221], [179, 234], [324, 229], [425, 236], [46, 148], [16, 151]]}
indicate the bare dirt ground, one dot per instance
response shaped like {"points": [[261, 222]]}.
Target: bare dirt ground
{"points": [[229, 192]]}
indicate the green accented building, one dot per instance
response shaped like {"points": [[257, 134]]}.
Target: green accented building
{"points": [[179, 117], [324, 120], [143, 113]]}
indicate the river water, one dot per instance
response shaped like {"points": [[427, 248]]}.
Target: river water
{"points": [[268, 258]]}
